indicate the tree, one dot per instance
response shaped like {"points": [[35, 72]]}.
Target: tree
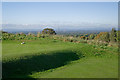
{"points": [[103, 36], [48, 31], [117, 36], [113, 35], [98, 36]]}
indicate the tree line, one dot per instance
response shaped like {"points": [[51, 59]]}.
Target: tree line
{"points": [[112, 36]]}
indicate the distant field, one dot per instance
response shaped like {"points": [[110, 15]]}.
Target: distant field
{"points": [[47, 58]]}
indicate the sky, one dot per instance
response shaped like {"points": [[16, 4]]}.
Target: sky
{"points": [[61, 13]]}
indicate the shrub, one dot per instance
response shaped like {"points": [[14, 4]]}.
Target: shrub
{"points": [[103, 36]]}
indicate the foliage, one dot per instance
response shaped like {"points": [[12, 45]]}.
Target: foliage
{"points": [[103, 36], [48, 31], [22, 36], [91, 36], [118, 36], [82, 37], [113, 35]]}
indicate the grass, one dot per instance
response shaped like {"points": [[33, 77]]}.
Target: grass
{"points": [[86, 68], [56, 59], [14, 49]]}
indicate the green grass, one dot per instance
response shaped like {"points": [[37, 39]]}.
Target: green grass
{"points": [[86, 68], [14, 49], [47, 58]]}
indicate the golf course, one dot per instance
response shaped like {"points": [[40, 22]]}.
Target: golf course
{"points": [[52, 58]]}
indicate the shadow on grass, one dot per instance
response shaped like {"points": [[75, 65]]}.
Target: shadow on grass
{"points": [[37, 63]]}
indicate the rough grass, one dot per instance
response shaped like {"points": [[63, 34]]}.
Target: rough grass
{"points": [[49, 58]]}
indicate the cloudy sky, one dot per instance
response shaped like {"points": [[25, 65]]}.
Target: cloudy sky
{"points": [[61, 14]]}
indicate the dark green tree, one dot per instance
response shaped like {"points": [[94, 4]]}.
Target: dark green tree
{"points": [[118, 36], [113, 35], [48, 31]]}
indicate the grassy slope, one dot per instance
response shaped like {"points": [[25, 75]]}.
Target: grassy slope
{"points": [[48, 58], [89, 68]]}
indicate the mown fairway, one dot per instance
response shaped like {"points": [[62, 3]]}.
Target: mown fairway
{"points": [[47, 58]]}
